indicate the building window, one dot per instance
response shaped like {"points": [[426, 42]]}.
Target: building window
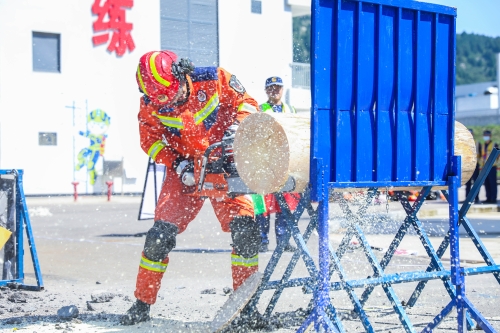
{"points": [[47, 139], [190, 29], [46, 52], [257, 6]]}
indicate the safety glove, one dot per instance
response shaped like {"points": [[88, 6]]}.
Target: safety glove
{"points": [[185, 170]]}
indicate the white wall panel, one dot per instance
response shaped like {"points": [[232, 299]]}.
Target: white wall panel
{"points": [[33, 102], [255, 46]]}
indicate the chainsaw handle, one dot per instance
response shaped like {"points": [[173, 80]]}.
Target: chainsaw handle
{"points": [[211, 148], [204, 162]]}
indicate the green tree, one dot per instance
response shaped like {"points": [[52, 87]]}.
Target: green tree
{"points": [[476, 58]]}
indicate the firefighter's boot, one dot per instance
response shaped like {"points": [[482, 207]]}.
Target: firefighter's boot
{"points": [[138, 313]]}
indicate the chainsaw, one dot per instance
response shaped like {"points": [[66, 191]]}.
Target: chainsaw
{"points": [[214, 173]]}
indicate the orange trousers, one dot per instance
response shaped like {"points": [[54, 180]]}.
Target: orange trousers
{"points": [[180, 209]]}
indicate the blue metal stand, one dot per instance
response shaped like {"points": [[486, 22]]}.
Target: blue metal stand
{"points": [[22, 221], [323, 314], [382, 115]]}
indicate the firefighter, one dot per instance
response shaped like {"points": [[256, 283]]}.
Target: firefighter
{"points": [[274, 92], [185, 109]]}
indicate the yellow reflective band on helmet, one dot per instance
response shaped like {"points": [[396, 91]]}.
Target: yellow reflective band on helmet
{"points": [[155, 149], [170, 121], [207, 109], [237, 260], [247, 107], [155, 72], [139, 76], [155, 266]]}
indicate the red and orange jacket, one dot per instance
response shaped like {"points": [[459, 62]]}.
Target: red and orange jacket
{"points": [[215, 101]]}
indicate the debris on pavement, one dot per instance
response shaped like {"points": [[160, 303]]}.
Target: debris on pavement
{"points": [[102, 297], [210, 291], [18, 297], [68, 312]]}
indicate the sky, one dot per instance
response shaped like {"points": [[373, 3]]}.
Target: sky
{"points": [[475, 16]]}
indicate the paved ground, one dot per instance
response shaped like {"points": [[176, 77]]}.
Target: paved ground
{"points": [[94, 245]]}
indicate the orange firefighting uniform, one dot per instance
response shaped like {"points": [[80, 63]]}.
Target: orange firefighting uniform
{"points": [[216, 100]]}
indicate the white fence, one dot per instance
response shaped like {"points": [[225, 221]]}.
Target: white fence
{"points": [[301, 75]]}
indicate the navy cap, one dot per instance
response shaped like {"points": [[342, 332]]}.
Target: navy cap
{"points": [[274, 80]]}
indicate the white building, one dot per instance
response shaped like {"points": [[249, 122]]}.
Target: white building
{"points": [[52, 76], [477, 103]]}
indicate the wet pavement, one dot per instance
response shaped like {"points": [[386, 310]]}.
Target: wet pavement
{"points": [[94, 245]]}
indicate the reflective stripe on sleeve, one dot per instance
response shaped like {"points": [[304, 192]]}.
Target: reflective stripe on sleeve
{"points": [[247, 107], [237, 260], [155, 71], [170, 121], [207, 109], [155, 266], [155, 149]]}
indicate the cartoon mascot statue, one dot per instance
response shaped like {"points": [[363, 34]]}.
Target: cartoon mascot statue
{"points": [[97, 124]]}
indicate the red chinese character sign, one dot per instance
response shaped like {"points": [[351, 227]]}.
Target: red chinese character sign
{"points": [[111, 19]]}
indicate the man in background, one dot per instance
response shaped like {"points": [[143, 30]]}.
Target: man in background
{"points": [[274, 91], [483, 152]]}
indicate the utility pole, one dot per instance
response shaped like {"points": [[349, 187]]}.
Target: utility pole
{"points": [[73, 108]]}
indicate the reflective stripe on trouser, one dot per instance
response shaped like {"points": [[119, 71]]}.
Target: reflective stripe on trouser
{"points": [[242, 268], [149, 279]]}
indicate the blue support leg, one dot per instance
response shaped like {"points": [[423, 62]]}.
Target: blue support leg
{"points": [[23, 208], [322, 302], [19, 230], [457, 278]]}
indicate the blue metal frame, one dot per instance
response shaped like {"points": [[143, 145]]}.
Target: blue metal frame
{"points": [[328, 318], [383, 83], [373, 90], [23, 221], [356, 220]]}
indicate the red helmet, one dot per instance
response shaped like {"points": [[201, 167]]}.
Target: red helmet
{"points": [[155, 78]]}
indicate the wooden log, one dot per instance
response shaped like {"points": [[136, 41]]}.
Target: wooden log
{"points": [[270, 147], [465, 146]]}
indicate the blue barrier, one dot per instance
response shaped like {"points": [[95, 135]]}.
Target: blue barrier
{"points": [[383, 88], [17, 221]]}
